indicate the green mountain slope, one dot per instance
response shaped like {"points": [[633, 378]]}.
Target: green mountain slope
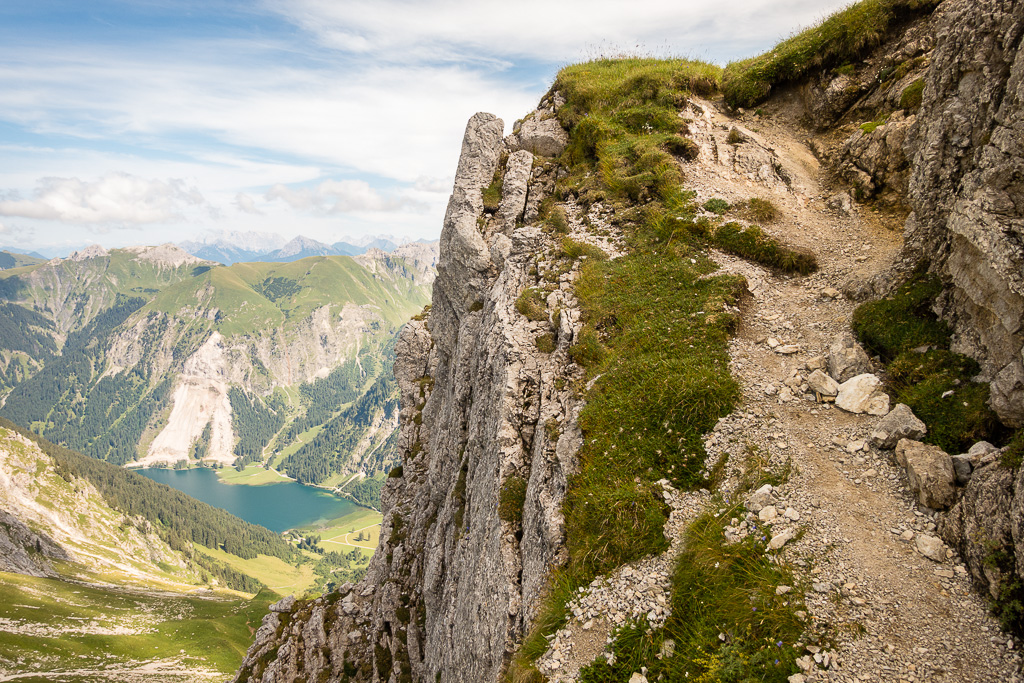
{"points": [[151, 355], [105, 572]]}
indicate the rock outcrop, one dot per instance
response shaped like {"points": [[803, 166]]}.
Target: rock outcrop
{"points": [[966, 188], [452, 587]]}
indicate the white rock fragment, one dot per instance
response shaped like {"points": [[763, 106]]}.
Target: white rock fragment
{"points": [[931, 547], [863, 394]]}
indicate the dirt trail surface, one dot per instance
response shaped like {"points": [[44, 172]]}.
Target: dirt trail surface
{"points": [[900, 616]]}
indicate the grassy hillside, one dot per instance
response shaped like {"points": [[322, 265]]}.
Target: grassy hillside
{"points": [[254, 296], [840, 39], [49, 626], [11, 259], [91, 350]]}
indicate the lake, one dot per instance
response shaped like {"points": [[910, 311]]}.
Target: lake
{"points": [[278, 507]]}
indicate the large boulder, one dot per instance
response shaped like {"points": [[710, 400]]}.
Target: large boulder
{"points": [[863, 394], [981, 525], [900, 423], [542, 136], [846, 359], [930, 473]]}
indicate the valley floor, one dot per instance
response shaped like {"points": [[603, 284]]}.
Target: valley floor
{"points": [[53, 630], [899, 616]]}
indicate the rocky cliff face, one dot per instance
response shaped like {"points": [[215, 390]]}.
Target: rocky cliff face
{"points": [[952, 156], [451, 588], [967, 187]]}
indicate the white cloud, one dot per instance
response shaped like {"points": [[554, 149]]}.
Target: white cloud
{"points": [[435, 185], [115, 198], [540, 30], [246, 204], [338, 196]]}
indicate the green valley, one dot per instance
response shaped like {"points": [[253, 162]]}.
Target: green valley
{"points": [[103, 570], [149, 356]]}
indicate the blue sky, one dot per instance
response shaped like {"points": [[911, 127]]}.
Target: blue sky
{"points": [[149, 121]]}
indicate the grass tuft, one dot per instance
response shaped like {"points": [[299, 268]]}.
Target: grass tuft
{"points": [[912, 96], [909, 337], [575, 250], [545, 343], [751, 243], [511, 500], [762, 210], [839, 40], [716, 205], [532, 304], [682, 147]]}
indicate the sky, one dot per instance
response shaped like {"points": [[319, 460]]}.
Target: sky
{"points": [[148, 121]]}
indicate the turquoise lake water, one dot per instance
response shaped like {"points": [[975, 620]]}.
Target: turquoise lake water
{"points": [[278, 507]]}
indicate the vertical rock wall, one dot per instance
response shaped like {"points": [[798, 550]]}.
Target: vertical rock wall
{"points": [[967, 187], [458, 574]]}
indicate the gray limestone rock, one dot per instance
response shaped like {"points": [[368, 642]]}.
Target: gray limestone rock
{"points": [[965, 188], [863, 394], [930, 473], [931, 547], [846, 359], [514, 189], [464, 257], [963, 468], [900, 423], [23, 551], [285, 604], [823, 384], [985, 520], [543, 136]]}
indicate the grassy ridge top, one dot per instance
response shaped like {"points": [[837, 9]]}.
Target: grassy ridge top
{"points": [[254, 296], [840, 39]]}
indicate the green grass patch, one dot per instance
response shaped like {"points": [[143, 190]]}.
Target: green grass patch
{"points": [[281, 577], [870, 126], [511, 499], [840, 39], [718, 589], [904, 331], [1013, 455], [532, 304], [252, 475], [575, 250], [683, 147], [762, 210], [556, 219], [753, 244], [912, 95], [716, 205], [545, 343]]}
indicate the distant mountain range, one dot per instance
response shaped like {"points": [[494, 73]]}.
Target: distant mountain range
{"points": [[239, 247], [149, 355]]}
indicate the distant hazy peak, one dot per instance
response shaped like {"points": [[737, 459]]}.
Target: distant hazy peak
{"points": [[91, 251], [166, 254]]}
